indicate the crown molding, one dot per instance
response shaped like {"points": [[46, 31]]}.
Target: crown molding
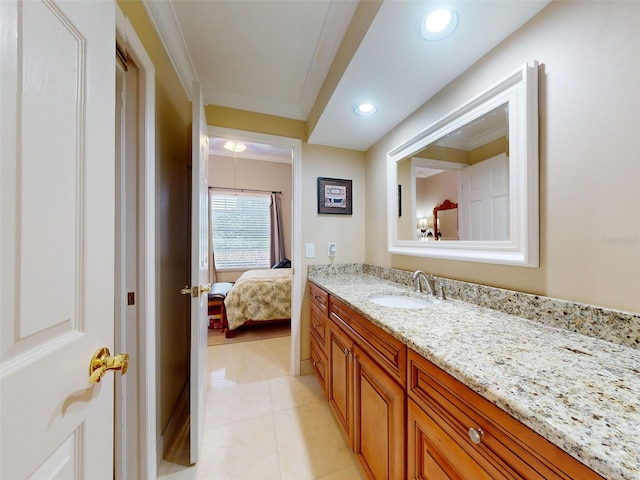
{"points": [[163, 18]]}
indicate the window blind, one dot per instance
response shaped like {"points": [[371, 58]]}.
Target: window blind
{"points": [[241, 230]]}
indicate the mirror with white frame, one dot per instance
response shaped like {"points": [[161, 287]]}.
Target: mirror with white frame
{"points": [[477, 167]]}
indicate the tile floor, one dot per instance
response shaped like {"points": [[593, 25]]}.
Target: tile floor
{"points": [[263, 424]]}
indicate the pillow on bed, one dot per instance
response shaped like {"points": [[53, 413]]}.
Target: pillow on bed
{"points": [[286, 263]]}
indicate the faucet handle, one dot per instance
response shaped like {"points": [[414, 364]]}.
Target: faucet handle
{"points": [[440, 293], [432, 281]]}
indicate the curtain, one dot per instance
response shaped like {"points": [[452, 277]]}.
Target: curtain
{"points": [[277, 235], [212, 263]]}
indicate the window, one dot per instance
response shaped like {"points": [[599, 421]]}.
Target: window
{"points": [[241, 230]]}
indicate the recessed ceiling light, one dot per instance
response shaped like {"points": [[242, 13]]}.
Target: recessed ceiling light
{"points": [[439, 24], [364, 109], [235, 147]]}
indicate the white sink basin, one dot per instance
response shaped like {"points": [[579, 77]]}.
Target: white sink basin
{"points": [[399, 301]]}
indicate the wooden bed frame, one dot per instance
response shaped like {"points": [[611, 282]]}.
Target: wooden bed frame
{"points": [[232, 333]]}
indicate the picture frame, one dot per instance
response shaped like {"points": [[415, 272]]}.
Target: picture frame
{"points": [[334, 196]]}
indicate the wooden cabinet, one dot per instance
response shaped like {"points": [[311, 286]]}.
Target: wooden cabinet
{"points": [[379, 419], [367, 401], [386, 350], [406, 418], [441, 414]]}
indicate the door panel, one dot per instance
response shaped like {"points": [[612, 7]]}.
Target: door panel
{"points": [[379, 432], [199, 271], [484, 209], [57, 237], [340, 379]]}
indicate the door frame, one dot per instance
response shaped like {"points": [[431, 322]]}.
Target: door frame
{"points": [[297, 287], [147, 267]]}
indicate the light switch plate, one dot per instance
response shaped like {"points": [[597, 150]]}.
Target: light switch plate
{"points": [[310, 250], [332, 249]]}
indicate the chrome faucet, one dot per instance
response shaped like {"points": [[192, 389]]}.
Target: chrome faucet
{"points": [[429, 281]]}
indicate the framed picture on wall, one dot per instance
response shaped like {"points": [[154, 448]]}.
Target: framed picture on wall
{"points": [[334, 196]]}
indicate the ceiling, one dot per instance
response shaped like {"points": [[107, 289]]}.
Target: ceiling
{"points": [[273, 56]]}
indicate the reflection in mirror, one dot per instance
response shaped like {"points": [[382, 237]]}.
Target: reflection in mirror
{"points": [[482, 157], [475, 155], [445, 219]]}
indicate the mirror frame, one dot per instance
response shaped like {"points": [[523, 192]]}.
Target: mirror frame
{"points": [[520, 91]]}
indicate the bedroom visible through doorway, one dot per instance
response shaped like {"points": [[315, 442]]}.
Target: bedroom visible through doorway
{"points": [[264, 165]]}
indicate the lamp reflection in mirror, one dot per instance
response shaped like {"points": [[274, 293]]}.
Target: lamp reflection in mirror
{"points": [[425, 226]]}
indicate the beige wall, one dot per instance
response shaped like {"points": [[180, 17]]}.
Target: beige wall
{"points": [[254, 122], [254, 175], [589, 155], [347, 231], [434, 190], [406, 223], [173, 144]]}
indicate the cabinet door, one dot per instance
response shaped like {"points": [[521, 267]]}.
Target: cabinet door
{"points": [[341, 379], [379, 416]]}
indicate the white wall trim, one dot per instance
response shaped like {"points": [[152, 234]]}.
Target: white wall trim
{"points": [[163, 18], [297, 287], [147, 295]]}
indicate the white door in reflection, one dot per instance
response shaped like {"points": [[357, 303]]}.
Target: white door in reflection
{"points": [[484, 209]]}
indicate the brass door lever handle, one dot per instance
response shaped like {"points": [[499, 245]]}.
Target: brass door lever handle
{"points": [[102, 362]]}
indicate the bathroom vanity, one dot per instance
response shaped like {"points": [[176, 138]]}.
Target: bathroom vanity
{"points": [[454, 390]]}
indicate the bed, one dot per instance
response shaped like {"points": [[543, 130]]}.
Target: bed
{"points": [[259, 296]]}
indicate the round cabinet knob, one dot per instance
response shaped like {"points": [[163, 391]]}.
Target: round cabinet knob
{"points": [[476, 435]]}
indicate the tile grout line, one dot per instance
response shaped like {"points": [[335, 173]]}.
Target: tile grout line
{"points": [[275, 434]]}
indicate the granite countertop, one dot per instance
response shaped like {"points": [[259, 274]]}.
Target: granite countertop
{"points": [[579, 392]]}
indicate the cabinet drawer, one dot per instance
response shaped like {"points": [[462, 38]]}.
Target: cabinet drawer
{"points": [[433, 454], [319, 297], [319, 326], [389, 352], [508, 449], [319, 363]]}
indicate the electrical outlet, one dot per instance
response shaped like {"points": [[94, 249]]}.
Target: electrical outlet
{"points": [[332, 249], [310, 250]]}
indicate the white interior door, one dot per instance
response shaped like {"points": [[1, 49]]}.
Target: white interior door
{"points": [[484, 209], [199, 271], [57, 237]]}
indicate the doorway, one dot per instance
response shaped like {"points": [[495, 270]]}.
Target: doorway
{"points": [[297, 287]]}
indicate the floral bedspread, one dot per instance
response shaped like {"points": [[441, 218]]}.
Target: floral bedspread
{"points": [[259, 295]]}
